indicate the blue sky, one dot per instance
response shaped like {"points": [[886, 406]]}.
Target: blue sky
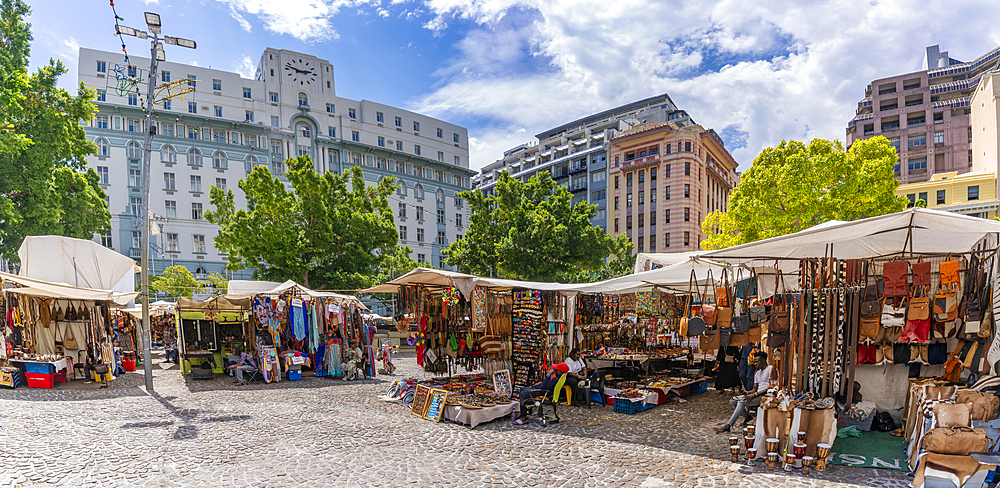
{"points": [[757, 72]]}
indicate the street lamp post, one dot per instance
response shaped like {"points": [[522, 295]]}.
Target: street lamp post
{"points": [[156, 55]]}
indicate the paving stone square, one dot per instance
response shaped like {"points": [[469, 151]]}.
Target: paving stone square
{"points": [[327, 432]]}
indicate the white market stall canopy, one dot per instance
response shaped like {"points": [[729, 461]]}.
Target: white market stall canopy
{"points": [[645, 261], [39, 288], [916, 230], [81, 263], [674, 278], [436, 278], [247, 288]]}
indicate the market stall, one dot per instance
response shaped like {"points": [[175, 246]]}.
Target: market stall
{"points": [[48, 328], [864, 309]]}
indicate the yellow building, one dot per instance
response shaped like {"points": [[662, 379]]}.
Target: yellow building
{"points": [[972, 194]]}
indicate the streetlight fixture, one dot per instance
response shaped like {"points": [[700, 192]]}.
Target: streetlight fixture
{"points": [[156, 55]]}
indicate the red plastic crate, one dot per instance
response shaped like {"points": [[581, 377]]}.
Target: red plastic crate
{"points": [[128, 365], [40, 380]]}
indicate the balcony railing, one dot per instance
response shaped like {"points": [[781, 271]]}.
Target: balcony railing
{"points": [[888, 127], [893, 106], [578, 169], [887, 91], [577, 188]]}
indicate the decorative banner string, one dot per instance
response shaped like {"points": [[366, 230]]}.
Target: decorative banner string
{"points": [[125, 82]]}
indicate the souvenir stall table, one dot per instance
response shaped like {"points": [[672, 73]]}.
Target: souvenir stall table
{"points": [[46, 328], [862, 306]]}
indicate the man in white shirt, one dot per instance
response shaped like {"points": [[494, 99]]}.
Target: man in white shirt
{"points": [[762, 379], [577, 370]]}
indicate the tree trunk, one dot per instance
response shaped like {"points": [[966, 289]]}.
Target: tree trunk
{"points": [[305, 278]]}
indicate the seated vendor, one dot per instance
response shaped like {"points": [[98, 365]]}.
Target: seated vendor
{"points": [[547, 384], [577, 370], [246, 363], [762, 379], [353, 362], [170, 346]]}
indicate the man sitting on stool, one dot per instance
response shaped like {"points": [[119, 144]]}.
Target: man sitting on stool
{"points": [[761, 382], [246, 363]]}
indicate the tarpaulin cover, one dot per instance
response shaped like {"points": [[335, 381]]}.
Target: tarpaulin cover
{"points": [[76, 262], [39, 288]]}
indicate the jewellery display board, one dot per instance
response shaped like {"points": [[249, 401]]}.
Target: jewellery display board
{"points": [[529, 338], [435, 404], [420, 399]]}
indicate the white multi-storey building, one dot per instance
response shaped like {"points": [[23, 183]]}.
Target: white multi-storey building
{"points": [[215, 135]]}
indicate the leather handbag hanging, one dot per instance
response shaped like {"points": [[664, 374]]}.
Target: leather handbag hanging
{"points": [[739, 340], [69, 340], [948, 272], [755, 333], [946, 304], [919, 308], [724, 310], [722, 292], [725, 336], [958, 441], [741, 322], [921, 274], [710, 340], [709, 311], [695, 324], [779, 309], [895, 275]]}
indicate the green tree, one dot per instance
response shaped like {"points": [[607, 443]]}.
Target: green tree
{"points": [[175, 282], [219, 284], [621, 262], [43, 186], [529, 231], [330, 231], [795, 186]]}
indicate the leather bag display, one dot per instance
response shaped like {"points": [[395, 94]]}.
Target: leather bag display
{"points": [[710, 340], [894, 274], [710, 312], [921, 273], [984, 405], [956, 440], [945, 306], [952, 414], [919, 309], [722, 294], [695, 324], [948, 273]]}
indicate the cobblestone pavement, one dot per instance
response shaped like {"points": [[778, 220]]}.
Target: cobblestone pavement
{"points": [[326, 432]]}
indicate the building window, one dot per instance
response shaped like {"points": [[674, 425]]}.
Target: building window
{"points": [[136, 239], [923, 196], [220, 183], [454, 137], [399, 145], [418, 192], [194, 133], [402, 210], [106, 240], [666, 193], [616, 225], [666, 216], [687, 148], [273, 96], [687, 238], [399, 121], [133, 99], [194, 156], [102, 175], [351, 113], [420, 235], [442, 240], [458, 220], [102, 96], [172, 243], [303, 99], [379, 117], [974, 193], [355, 136], [171, 209], [441, 156], [916, 140], [249, 116], [103, 148], [135, 206], [940, 197], [416, 149], [102, 67], [402, 232], [133, 150], [331, 131], [458, 161], [416, 126], [640, 246], [101, 121], [247, 93], [666, 237], [134, 178], [421, 258], [199, 247], [277, 167], [381, 141], [687, 191], [917, 164], [196, 211], [687, 168], [687, 214], [192, 107], [459, 202], [628, 200], [192, 81], [275, 121], [939, 138], [616, 182], [616, 202], [598, 196], [196, 183]]}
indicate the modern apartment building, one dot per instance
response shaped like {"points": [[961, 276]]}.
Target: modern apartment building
{"points": [[229, 125], [924, 114], [664, 179], [576, 153]]}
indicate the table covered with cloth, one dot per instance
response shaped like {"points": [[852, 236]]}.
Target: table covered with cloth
{"points": [[475, 416]]}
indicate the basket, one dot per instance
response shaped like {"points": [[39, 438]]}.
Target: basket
{"points": [[627, 407]]}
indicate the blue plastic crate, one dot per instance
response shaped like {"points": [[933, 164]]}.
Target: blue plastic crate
{"points": [[42, 368], [627, 407], [700, 387], [647, 406], [295, 374]]}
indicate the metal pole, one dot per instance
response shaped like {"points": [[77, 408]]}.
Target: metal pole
{"points": [[147, 362]]}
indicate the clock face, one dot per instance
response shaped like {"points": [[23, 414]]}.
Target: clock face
{"points": [[300, 71]]}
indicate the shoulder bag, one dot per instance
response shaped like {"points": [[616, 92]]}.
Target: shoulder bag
{"points": [[895, 275], [958, 441], [708, 311], [722, 292], [724, 311], [695, 324], [984, 405], [741, 322], [779, 310], [69, 340], [948, 272]]}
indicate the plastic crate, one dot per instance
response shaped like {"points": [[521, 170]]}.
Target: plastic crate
{"points": [[295, 374], [647, 406], [683, 391], [627, 407], [128, 365], [42, 368], [60, 376], [39, 380], [699, 387]]}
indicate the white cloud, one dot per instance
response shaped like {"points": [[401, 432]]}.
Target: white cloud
{"points": [[244, 23], [382, 12], [246, 67], [772, 70], [69, 50], [306, 20]]}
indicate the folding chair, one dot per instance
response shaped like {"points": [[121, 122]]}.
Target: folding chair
{"points": [[548, 398], [594, 384]]}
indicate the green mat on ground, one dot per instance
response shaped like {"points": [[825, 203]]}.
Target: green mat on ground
{"points": [[871, 450]]}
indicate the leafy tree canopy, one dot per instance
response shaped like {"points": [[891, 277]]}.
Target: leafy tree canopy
{"points": [[219, 284], [329, 231], [175, 282], [43, 186], [795, 186], [529, 231]]}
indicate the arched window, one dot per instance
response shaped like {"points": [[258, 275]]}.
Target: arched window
{"points": [[219, 160], [201, 272], [103, 147], [303, 99], [440, 196], [194, 156], [401, 190], [418, 191], [304, 130], [250, 163], [133, 150], [168, 154]]}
